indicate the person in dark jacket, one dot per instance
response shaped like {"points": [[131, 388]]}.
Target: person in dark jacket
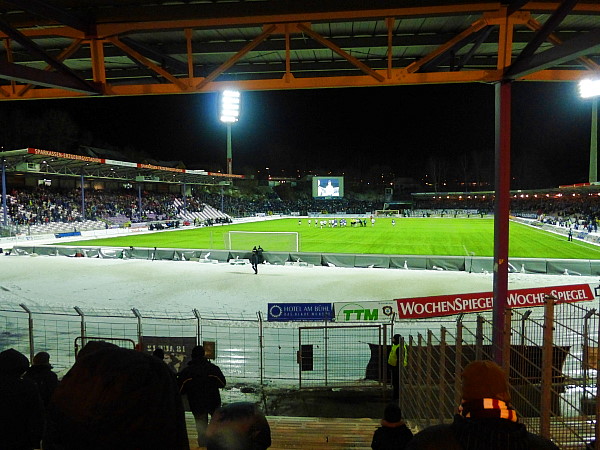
{"points": [[485, 419], [254, 260], [118, 399], [41, 374], [238, 426], [393, 434], [21, 407], [201, 381]]}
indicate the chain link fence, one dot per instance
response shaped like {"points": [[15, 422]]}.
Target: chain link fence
{"points": [[551, 356]]}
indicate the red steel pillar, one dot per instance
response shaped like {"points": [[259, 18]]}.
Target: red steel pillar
{"points": [[501, 213]]}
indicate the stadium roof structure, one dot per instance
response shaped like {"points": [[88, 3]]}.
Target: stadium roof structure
{"points": [[45, 162], [66, 48]]}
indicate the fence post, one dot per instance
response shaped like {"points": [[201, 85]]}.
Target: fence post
{"points": [[428, 377], [506, 341], [479, 337], [458, 361], [30, 330], [83, 340], [260, 347], [326, 354], [137, 314], [546, 388], [442, 374], [383, 361], [198, 326]]}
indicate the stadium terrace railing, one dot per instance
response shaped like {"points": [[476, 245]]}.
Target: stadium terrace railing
{"points": [[552, 361]]}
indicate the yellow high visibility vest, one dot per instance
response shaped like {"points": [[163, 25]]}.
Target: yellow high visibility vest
{"points": [[393, 356]]}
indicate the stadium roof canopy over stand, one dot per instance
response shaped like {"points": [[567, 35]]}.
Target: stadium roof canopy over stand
{"points": [[63, 48], [37, 161]]}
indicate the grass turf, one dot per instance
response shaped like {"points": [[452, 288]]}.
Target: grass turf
{"points": [[410, 236]]}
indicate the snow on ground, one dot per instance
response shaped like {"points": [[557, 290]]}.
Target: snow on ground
{"points": [[179, 286]]}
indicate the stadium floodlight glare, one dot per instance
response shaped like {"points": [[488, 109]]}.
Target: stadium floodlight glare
{"points": [[589, 88], [230, 113], [230, 106]]}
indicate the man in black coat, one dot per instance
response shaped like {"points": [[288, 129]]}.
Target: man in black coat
{"points": [[41, 374], [21, 408], [201, 381]]}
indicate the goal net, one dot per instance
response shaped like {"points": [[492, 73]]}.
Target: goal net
{"points": [[275, 241], [387, 212]]}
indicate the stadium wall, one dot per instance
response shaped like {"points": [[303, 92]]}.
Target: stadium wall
{"points": [[475, 264]]}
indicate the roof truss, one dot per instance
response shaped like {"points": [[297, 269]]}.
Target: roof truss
{"points": [[54, 49]]}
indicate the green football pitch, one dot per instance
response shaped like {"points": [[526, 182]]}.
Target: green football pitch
{"points": [[409, 236]]}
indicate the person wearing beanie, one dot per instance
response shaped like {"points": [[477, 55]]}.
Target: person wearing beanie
{"points": [[21, 407], [393, 434], [119, 399], [41, 374], [201, 380], [485, 419]]}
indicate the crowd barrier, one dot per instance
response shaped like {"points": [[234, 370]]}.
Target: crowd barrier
{"points": [[471, 264]]}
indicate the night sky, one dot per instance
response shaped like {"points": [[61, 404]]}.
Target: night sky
{"points": [[334, 129]]}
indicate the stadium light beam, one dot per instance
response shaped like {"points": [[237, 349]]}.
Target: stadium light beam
{"points": [[590, 88], [230, 113]]}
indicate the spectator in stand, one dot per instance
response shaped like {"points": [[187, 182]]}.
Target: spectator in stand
{"points": [[118, 399], [21, 407], [393, 434], [485, 419], [201, 381], [238, 426], [159, 353], [41, 374]]}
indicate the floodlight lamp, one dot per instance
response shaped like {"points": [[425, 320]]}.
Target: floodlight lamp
{"points": [[589, 88], [230, 106]]}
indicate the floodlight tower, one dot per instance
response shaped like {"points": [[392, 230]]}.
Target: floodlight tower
{"points": [[230, 113], [591, 89]]}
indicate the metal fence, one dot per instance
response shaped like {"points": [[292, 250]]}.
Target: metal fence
{"points": [[246, 347], [551, 359], [550, 354]]}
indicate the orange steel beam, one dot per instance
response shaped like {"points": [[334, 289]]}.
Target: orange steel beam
{"points": [[505, 35], [475, 27], [66, 53], [330, 45], [190, 52], [109, 28], [235, 58], [389, 22], [288, 63], [399, 78], [534, 25], [10, 59], [98, 68], [145, 61]]}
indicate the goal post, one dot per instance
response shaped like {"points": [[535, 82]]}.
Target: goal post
{"points": [[387, 212], [276, 241]]}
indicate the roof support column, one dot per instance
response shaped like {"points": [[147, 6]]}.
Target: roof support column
{"points": [[501, 214], [593, 176], [82, 199], [4, 210]]}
